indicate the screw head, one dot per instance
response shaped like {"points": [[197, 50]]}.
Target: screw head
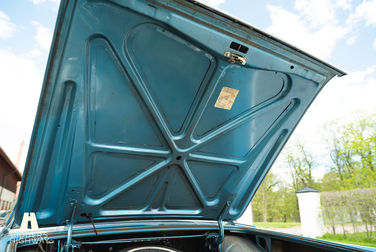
{"points": [[110, 249]]}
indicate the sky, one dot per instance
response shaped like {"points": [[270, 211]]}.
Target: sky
{"points": [[340, 32]]}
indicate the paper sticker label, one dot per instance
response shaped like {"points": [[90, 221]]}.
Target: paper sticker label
{"points": [[226, 98]]}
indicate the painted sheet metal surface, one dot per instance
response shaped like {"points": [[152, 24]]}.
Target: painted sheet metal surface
{"points": [[143, 116]]}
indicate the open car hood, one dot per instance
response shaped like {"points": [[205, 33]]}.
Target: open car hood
{"points": [[160, 109]]}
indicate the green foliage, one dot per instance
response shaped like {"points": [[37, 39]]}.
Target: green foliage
{"points": [[274, 201], [358, 206], [351, 145], [352, 149], [359, 239], [329, 181], [265, 198], [300, 162]]}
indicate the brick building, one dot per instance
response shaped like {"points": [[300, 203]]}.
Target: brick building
{"points": [[10, 177]]}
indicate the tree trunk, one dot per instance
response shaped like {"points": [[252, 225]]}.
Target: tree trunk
{"points": [[264, 203], [264, 208]]}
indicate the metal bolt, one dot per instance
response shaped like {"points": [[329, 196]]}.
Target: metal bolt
{"points": [[110, 249], [90, 250]]}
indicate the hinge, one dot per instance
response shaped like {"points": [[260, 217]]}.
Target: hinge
{"points": [[214, 240], [71, 243], [235, 58]]}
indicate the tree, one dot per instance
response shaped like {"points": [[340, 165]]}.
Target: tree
{"points": [[300, 162], [266, 189], [352, 148], [287, 197], [275, 200], [329, 181]]}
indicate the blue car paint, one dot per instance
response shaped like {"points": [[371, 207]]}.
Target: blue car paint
{"points": [[128, 128], [127, 125]]}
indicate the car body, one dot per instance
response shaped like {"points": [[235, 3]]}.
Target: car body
{"points": [[157, 122]]}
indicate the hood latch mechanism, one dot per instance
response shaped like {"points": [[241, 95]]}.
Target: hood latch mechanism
{"points": [[213, 239], [235, 58]]}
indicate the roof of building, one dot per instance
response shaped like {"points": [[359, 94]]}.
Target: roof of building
{"points": [[307, 189]]}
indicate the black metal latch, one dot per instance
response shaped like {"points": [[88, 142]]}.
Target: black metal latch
{"points": [[213, 239]]}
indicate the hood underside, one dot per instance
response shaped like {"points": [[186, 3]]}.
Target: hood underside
{"points": [[160, 109]]}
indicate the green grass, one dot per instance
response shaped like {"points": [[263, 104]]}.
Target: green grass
{"points": [[276, 224], [352, 239]]}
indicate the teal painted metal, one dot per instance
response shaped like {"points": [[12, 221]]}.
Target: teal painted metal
{"points": [[128, 125]]}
